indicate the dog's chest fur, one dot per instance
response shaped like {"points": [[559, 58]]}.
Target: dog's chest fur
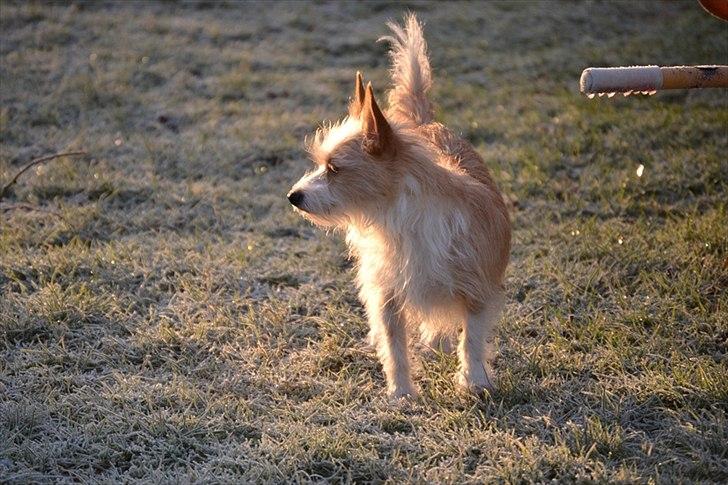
{"points": [[410, 249]]}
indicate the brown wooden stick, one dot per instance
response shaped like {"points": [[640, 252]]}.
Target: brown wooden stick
{"points": [[6, 189], [690, 77]]}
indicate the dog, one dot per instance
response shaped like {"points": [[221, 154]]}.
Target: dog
{"points": [[423, 218]]}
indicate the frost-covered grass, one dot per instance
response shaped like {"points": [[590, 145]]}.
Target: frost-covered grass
{"points": [[165, 317]]}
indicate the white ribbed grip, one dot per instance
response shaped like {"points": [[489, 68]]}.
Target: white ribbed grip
{"points": [[620, 79]]}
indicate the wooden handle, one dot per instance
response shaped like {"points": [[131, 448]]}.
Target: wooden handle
{"points": [[685, 77]]}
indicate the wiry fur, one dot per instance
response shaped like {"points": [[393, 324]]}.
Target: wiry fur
{"points": [[423, 219], [411, 73]]}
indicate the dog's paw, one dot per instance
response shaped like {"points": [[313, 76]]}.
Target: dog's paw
{"points": [[476, 382], [399, 393]]}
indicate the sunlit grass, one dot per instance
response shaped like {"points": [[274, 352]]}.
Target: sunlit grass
{"points": [[172, 320]]}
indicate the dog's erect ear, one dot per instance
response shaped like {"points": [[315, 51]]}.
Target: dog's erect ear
{"points": [[378, 135], [358, 99]]}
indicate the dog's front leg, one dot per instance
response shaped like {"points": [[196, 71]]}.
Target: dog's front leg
{"points": [[388, 333]]}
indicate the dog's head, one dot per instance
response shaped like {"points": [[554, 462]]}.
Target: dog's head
{"points": [[355, 171]]}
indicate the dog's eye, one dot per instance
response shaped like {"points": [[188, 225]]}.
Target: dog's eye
{"points": [[331, 168]]}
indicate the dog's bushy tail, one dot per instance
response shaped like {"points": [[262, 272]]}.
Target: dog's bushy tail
{"points": [[411, 72]]}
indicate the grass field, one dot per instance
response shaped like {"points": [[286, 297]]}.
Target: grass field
{"points": [[166, 317]]}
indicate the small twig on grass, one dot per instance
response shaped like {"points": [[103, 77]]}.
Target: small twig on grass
{"points": [[6, 189]]}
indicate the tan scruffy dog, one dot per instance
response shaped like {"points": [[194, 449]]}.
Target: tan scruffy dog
{"points": [[423, 218]]}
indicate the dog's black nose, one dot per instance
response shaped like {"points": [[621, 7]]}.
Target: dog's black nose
{"points": [[296, 198]]}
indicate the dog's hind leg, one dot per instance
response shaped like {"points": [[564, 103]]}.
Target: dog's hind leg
{"points": [[475, 349], [389, 334]]}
